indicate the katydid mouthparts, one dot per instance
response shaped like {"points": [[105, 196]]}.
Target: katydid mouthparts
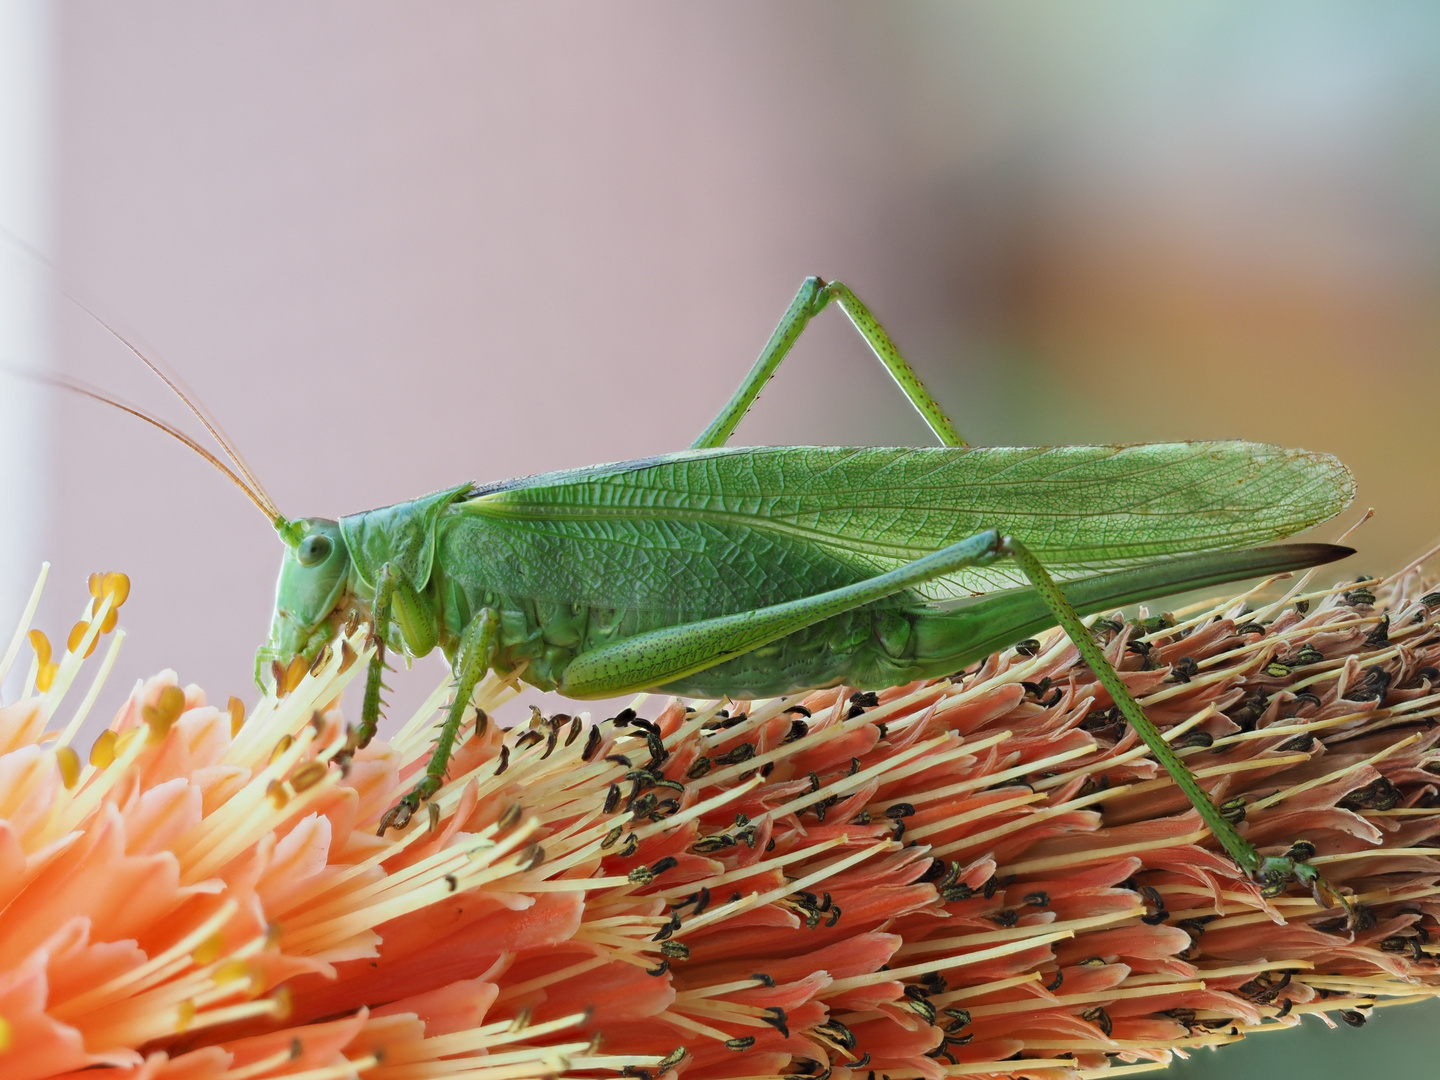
{"points": [[757, 572]]}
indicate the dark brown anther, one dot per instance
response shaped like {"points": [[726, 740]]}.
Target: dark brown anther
{"points": [[550, 742], [348, 656], [670, 1060], [504, 760], [1379, 794], [1156, 904], [321, 659], [675, 950], [1361, 596], [1029, 646], [510, 818], [1040, 899], [592, 744], [452, 882], [659, 970], [612, 799], [531, 857], [1379, 637], [698, 768], [620, 759], [743, 1042], [1184, 669], [801, 710], [743, 752], [776, 1018], [704, 901], [576, 725], [632, 842], [611, 837], [1100, 1018]]}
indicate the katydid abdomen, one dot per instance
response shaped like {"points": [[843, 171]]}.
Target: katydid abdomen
{"points": [[871, 647]]}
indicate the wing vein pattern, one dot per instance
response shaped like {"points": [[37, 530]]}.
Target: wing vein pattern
{"points": [[701, 533]]}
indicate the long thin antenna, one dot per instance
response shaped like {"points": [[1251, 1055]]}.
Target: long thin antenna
{"points": [[66, 382], [252, 485]]}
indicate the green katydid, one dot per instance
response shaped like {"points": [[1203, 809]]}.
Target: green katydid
{"points": [[766, 571]]}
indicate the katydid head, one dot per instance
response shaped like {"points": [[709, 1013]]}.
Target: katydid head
{"points": [[308, 595]]}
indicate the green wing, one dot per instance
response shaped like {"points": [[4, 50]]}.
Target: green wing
{"points": [[708, 532]]}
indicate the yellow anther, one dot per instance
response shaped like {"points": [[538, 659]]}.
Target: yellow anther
{"points": [[233, 971], [293, 674], [46, 676], [69, 764], [160, 716], [281, 1002], [111, 617], [41, 644], [307, 776], [237, 715], [284, 743], [96, 584], [208, 951], [77, 635], [103, 752], [117, 585], [4, 1034], [276, 793], [184, 1014]]}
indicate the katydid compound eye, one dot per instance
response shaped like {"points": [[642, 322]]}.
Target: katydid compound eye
{"points": [[314, 550]]}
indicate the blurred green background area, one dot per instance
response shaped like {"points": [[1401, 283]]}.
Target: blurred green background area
{"points": [[394, 247]]}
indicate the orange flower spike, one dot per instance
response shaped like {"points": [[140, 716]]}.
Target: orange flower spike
{"points": [[781, 923]]}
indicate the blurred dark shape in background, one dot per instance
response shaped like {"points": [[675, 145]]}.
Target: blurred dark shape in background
{"points": [[394, 247]]}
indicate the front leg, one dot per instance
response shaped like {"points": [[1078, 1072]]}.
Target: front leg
{"points": [[472, 660], [359, 737]]}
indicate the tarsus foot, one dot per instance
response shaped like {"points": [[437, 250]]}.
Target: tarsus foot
{"points": [[1277, 871], [398, 816]]}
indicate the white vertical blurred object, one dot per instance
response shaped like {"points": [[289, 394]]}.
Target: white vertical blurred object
{"points": [[26, 137]]}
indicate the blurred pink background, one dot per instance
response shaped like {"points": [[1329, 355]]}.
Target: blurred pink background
{"points": [[395, 246]]}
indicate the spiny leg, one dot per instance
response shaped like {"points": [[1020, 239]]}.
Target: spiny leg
{"points": [[1271, 873], [813, 297], [653, 659], [472, 660], [359, 737]]}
